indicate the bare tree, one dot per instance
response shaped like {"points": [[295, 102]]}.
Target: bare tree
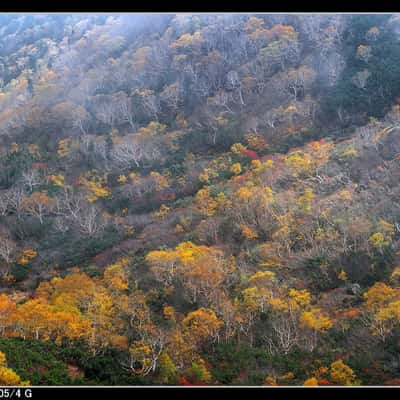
{"points": [[126, 152], [30, 179], [89, 220], [14, 198], [7, 246], [124, 108]]}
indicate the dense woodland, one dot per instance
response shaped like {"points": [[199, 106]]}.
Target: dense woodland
{"points": [[199, 199]]}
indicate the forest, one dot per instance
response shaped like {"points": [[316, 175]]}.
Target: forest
{"points": [[200, 199]]}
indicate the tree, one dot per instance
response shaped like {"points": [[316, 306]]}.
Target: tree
{"points": [[7, 313], [38, 204], [200, 372], [202, 270], [378, 296], [167, 369], [64, 148], [204, 203], [202, 325], [7, 248], [106, 109], [342, 374], [95, 188], [101, 313], [149, 340], [32, 319], [125, 108], [382, 310], [116, 275], [305, 201], [7, 376], [300, 80], [315, 322]]}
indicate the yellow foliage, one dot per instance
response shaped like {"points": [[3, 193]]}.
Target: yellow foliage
{"points": [[14, 148], [300, 297], [342, 374], [162, 212], [64, 148], [169, 312], [116, 275], [236, 169], [256, 164], [262, 277], [161, 182], [268, 194], [395, 276], [201, 372], [237, 148], [7, 376], [188, 42], [248, 233], [378, 240], [222, 202], [345, 195], [256, 142], [122, 179], [57, 180], [386, 228], [305, 201], [141, 352], [390, 312], [179, 228], [207, 175], [95, 188], [315, 320], [26, 256], [244, 193], [300, 162], [270, 381], [364, 52], [204, 203], [34, 150], [135, 177], [202, 324], [347, 153], [342, 275], [278, 305], [311, 382]]}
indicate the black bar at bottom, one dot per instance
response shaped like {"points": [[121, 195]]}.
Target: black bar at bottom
{"points": [[194, 393]]}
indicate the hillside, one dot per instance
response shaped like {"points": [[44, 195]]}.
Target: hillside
{"points": [[199, 199]]}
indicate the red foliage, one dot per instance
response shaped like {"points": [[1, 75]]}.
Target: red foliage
{"points": [[392, 382], [197, 383], [185, 382], [352, 313], [39, 165], [41, 369], [237, 180], [301, 284], [251, 154], [167, 196], [103, 258]]}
